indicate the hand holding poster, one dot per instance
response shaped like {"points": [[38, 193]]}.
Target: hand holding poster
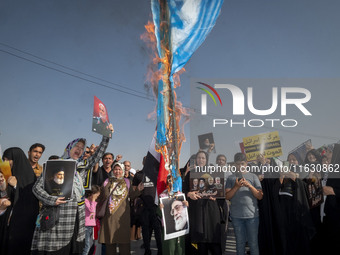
{"points": [[267, 144], [100, 120], [175, 216], [206, 142], [58, 177]]}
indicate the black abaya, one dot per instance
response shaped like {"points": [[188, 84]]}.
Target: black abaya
{"points": [[25, 205]]}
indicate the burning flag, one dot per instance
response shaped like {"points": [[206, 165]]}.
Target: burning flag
{"points": [[181, 26]]}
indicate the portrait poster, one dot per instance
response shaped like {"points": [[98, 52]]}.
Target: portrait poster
{"points": [[208, 181], [58, 177], [206, 142], [175, 216], [5, 169], [267, 144], [100, 119]]}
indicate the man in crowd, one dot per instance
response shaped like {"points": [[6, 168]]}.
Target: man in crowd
{"points": [[34, 154], [127, 165], [105, 171], [243, 192]]}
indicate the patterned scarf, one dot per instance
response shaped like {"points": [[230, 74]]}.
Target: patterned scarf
{"points": [[78, 187], [119, 194], [66, 154]]}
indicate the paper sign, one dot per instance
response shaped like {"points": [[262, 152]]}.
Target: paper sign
{"points": [[267, 144]]}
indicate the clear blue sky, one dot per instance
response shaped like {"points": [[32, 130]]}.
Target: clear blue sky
{"points": [[252, 39]]}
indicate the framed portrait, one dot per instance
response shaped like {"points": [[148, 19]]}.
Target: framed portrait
{"points": [[58, 177], [175, 216], [206, 142]]}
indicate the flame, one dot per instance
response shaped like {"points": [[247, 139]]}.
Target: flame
{"points": [[174, 125]]}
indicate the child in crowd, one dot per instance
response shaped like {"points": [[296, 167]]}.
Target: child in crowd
{"points": [[90, 216]]}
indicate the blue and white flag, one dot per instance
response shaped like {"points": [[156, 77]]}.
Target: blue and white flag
{"points": [[190, 23]]}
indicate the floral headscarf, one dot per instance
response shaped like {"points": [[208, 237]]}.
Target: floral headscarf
{"points": [[69, 147], [78, 184]]}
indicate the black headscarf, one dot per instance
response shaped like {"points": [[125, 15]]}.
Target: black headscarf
{"points": [[26, 206], [21, 168]]}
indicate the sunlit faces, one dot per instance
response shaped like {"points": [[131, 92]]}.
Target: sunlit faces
{"points": [[127, 166], [292, 160], [2, 182], [118, 171], [59, 177], [179, 213], [87, 153], [77, 150], [201, 159], [35, 154], [211, 180], [107, 161], [102, 112]]}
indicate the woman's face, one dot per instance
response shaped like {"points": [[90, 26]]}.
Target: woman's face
{"points": [[311, 157], [201, 160], [10, 162], [118, 172], [292, 160], [77, 150]]}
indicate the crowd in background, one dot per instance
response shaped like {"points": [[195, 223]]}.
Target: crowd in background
{"points": [[271, 213]]}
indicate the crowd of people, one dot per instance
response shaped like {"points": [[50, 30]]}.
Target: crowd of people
{"points": [[271, 212]]}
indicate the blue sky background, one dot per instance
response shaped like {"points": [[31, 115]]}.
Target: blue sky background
{"points": [[251, 39]]}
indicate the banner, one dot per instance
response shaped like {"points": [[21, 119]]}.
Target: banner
{"points": [[267, 144]]}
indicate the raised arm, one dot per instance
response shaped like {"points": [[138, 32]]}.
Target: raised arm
{"points": [[94, 159]]}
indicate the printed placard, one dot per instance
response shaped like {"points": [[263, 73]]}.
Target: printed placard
{"points": [[267, 144]]}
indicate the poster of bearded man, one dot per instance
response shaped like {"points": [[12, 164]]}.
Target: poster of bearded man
{"points": [[175, 216], [58, 177]]}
